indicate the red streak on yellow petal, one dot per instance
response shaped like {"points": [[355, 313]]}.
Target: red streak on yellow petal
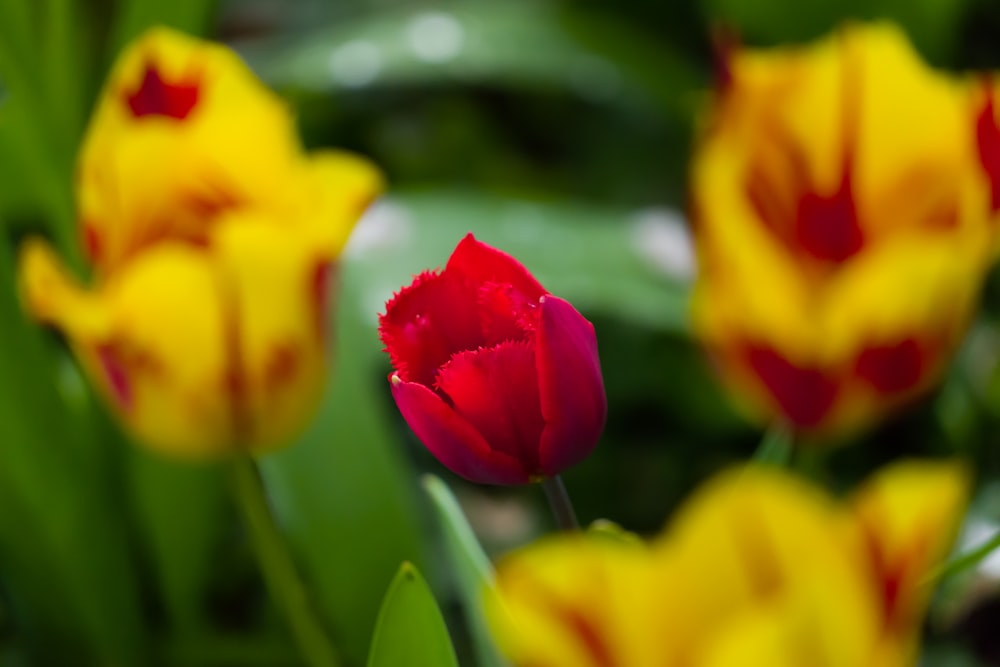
{"points": [[893, 368], [805, 395], [988, 143], [157, 97]]}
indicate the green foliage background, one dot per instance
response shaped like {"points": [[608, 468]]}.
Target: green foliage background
{"points": [[556, 130]]}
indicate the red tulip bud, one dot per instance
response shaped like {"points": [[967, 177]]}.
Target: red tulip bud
{"points": [[498, 378]]}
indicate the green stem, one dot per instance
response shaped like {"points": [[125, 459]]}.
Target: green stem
{"points": [[776, 446], [967, 560], [280, 574], [562, 507]]}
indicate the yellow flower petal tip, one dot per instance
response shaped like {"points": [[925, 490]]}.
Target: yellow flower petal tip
{"points": [[841, 246]]}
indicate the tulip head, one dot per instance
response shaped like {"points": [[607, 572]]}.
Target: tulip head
{"points": [[213, 238], [842, 244], [184, 132], [498, 378], [758, 568]]}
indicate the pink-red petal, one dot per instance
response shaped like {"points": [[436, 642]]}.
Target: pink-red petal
{"points": [[479, 263], [496, 390], [505, 313], [426, 323], [570, 383], [451, 438]]}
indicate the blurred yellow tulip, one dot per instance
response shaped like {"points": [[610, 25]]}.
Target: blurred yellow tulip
{"points": [[212, 237], [843, 226], [758, 568]]}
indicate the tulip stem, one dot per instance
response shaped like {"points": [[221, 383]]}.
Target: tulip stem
{"points": [[278, 567], [562, 506], [776, 446]]}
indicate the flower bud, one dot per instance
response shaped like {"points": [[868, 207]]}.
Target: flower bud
{"points": [[498, 378]]}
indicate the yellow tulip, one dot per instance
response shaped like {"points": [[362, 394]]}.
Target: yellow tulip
{"points": [[758, 568], [212, 236], [843, 227]]}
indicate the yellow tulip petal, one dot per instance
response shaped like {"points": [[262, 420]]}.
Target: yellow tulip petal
{"points": [[754, 535], [909, 513], [582, 602], [274, 298]]}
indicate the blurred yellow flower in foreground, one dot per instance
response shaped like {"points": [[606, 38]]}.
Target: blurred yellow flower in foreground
{"points": [[212, 236], [758, 568], [843, 226]]}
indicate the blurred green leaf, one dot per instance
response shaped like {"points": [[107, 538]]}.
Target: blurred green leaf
{"points": [[410, 629], [181, 510], [342, 493], [136, 16], [514, 43], [473, 572], [587, 254], [63, 546], [931, 24]]}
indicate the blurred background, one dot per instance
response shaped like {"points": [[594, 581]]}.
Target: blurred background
{"points": [[558, 131]]}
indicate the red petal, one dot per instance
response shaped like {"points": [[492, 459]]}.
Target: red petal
{"points": [[505, 313], [426, 323], [805, 395], [451, 438], [570, 384], [479, 263], [157, 97], [892, 369], [496, 390]]}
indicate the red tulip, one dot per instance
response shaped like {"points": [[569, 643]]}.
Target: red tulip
{"points": [[498, 378]]}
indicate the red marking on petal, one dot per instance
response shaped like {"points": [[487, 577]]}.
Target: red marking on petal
{"points": [[478, 263], [319, 289], [426, 323], [892, 369], [582, 625], [452, 439], [92, 245], [283, 364], [571, 387], [158, 97], [496, 390], [898, 578], [115, 375], [827, 227], [805, 395], [725, 44], [988, 143]]}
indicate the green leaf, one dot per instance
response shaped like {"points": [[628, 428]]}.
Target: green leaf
{"points": [[931, 24], [512, 43], [472, 570], [410, 629], [63, 546], [342, 493], [591, 255], [181, 511], [136, 16]]}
